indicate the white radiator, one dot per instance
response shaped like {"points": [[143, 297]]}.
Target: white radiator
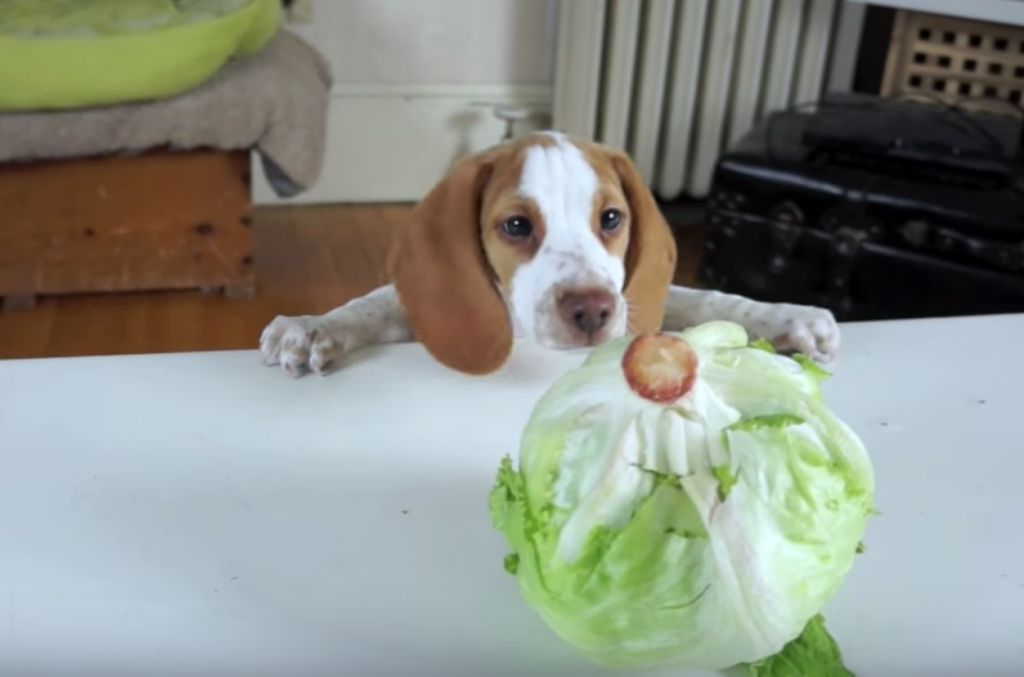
{"points": [[674, 82]]}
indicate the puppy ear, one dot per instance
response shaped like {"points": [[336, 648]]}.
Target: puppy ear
{"points": [[443, 280], [651, 256]]}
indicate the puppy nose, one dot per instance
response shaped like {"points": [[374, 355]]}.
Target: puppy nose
{"points": [[587, 310]]}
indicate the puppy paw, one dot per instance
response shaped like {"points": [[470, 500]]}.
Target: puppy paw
{"points": [[805, 329], [303, 343]]}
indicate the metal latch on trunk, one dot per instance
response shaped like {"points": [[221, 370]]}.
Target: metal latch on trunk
{"points": [[785, 226], [845, 250]]}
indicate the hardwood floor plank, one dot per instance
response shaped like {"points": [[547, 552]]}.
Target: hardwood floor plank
{"points": [[308, 260], [24, 334]]}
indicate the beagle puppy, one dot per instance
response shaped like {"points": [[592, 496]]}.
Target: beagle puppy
{"points": [[544, 237]]}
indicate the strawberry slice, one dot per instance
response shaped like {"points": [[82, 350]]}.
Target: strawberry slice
{"points": [[659, 367]]}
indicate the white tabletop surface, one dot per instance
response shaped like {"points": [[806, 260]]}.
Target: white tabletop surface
{"points": [[199, 513]]}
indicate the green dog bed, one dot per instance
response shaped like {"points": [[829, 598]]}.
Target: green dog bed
{"points": [[60, 54]]}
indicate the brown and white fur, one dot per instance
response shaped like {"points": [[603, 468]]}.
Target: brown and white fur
{"points": [[548, 238]]}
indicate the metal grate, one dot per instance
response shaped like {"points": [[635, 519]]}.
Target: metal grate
{"points": [[674, 82], [956, 60]]}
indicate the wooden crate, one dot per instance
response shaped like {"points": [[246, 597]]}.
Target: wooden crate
{"points": [[157, 221], [975, 64]]}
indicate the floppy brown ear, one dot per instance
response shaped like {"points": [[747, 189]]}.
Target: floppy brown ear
{"points": [[443, 280], [651, 256]]}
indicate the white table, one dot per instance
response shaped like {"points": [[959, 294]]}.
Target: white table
{"points": [[159, 514]]}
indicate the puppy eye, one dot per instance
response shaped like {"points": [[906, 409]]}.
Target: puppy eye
{"points": [[517, 227], [610, 220]]}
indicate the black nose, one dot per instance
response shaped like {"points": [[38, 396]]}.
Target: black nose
{"points": [[587, 310]]}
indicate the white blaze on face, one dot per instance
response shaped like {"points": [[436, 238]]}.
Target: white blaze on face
{"points": [[562, 183]]}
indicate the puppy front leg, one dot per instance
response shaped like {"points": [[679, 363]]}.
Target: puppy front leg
{"points": [[317, 342], [806, 329]]}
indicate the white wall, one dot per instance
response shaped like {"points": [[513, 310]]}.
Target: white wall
{"points": [[438, 42], [415, 84]]}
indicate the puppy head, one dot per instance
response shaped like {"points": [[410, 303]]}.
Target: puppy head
{"points": [[559, 240]]}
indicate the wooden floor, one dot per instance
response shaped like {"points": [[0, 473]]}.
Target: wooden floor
{"points": [[308, 260]]}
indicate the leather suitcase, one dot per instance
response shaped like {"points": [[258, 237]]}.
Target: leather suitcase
{"points": [[869, 240]]}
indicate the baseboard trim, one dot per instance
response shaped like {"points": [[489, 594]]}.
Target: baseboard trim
{"points": [[391, 143], [484, 93]]}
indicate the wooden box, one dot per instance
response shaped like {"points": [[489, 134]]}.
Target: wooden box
{"points": [[157, 221], [975, 64]]}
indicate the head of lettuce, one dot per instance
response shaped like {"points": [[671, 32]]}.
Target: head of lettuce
{"points": [[685, 500]]}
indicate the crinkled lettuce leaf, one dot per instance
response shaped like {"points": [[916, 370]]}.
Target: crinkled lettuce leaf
{"points": [[813, 654]]}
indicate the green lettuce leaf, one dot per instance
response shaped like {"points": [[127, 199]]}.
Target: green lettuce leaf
{"points": [[813, 654], [763, 344], [811, 368]]}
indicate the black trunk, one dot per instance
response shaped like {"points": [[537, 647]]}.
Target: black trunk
{"points": [[868, 236]]}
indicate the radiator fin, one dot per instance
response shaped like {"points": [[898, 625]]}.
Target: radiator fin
{"points": [[674, 82]]}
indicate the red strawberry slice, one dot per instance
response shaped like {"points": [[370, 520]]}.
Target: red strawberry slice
{"points": [[660, 367]]}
